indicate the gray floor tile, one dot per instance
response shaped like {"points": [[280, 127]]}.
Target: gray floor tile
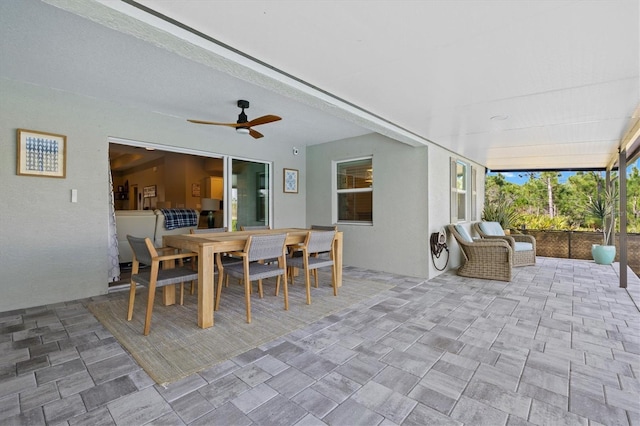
{"points": [[489, 352], [396, 379], [312, 365], [253, 398], [470, 411], [387, 402], [143, 407], [98, 417], [290, 382], [499, 398], [432, 399], [277, 411], [353, 413], [228, 414], [108, 391], [62, 409], [336, 387], [59, 371], [361, 369], [191, 407], [182, 387], [36, 397], [423, 415], [314, 402]]}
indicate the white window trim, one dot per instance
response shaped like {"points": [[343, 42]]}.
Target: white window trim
{"points": [[335, 191], [454, 191]]}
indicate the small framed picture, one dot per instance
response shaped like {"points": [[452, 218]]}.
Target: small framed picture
{"points": [[290, 181], [149, 191], [41, 154], [195, 189]]}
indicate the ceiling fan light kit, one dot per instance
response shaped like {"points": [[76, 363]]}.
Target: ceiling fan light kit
{"points": [[243, 125]]}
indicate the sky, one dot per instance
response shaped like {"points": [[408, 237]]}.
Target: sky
{"points": [[521, 177]]}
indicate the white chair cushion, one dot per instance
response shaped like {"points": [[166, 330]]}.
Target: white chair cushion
{"points": [[463, 233], [523, 246], [492, 228]]}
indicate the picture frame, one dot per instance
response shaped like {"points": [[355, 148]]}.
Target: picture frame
{"points": [[149, 191], [41, 154], [290, 181], [195, 189]]}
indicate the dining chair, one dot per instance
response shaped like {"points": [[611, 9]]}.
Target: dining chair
{"points": [[256, 250], [258, 228], [145, 253], [324, 228], [315, 242], [225, 258], [254, 228]]}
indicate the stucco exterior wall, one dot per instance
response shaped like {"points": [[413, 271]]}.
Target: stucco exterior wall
{"points": [[52, 250], [411, 200], [397, 240]]}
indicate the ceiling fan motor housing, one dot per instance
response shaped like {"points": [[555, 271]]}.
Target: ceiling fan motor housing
{"points": [[242, 118]]}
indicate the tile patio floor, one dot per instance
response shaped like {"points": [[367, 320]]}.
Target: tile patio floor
{"points": [[558, 345]]}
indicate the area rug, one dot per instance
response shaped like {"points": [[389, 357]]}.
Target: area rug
{"points": [[177, 347]]}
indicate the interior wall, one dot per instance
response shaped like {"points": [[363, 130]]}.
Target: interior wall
{"points": [[397, 240], [52, 250]]}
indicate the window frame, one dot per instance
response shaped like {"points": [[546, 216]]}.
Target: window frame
{"points": [[456, 192], [336, 191]]}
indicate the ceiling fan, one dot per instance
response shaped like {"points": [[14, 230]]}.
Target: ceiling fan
{"points": [[243, 125]]}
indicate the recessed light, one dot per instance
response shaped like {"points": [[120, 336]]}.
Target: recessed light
{"points": [[499, 117]]}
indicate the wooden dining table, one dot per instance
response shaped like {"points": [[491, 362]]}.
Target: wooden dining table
{"points": [[208, 245]]}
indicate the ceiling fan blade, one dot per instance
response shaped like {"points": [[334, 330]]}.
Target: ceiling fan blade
{"points": [[214, 123], [263, 120], [256, 135]]}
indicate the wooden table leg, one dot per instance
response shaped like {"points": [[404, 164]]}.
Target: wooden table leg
{"points": [[337, 249], [205, 287], [169, 291]]}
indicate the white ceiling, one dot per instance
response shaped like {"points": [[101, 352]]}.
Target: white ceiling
{"points": [[564, 73]]}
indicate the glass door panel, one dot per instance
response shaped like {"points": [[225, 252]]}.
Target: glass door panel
{"points": [[250, 194]]}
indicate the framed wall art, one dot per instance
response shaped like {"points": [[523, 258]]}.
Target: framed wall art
{"points": [[41, 154], [195, 189], [149, 191], [290, 181]]}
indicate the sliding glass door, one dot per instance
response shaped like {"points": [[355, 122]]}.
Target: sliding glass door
{"points": [[250, 193]]}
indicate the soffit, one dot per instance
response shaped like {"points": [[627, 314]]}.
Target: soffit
{"points": [[565, 73]]}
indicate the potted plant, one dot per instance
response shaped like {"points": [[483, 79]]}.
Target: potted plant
{"points": [[603, 208]]}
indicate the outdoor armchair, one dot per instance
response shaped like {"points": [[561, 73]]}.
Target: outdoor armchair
{"points": [[523, 246], [486, 259]]}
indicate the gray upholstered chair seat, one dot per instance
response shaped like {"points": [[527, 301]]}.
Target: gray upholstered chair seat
{"points": [[167, 276], [523, 246], [257, 271]]}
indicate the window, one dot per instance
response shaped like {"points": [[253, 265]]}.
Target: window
{"points": [[459, 191], [354, 190], [474, 193]]}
